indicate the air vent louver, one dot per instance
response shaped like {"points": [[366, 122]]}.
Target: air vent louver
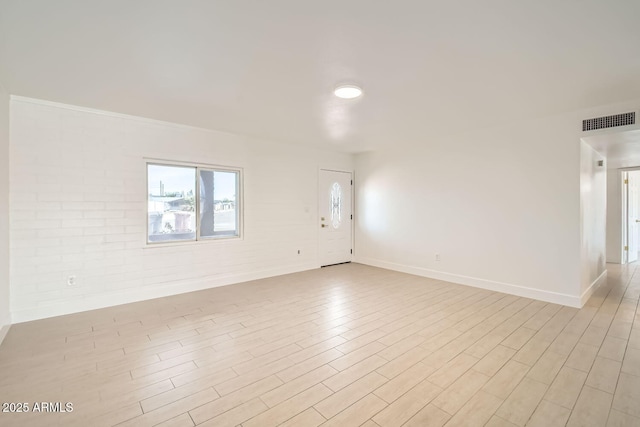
{"points": [[623, 119]]}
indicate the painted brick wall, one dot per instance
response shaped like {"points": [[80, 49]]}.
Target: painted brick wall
{"points": [[78, 207]]}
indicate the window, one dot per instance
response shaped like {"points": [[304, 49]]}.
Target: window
{"points": [[336, 205], [188, 203]]}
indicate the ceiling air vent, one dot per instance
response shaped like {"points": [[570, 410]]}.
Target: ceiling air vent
{"points": [[609, 121]]}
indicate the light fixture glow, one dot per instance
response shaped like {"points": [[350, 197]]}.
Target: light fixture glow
{"points": [[347, 91]]}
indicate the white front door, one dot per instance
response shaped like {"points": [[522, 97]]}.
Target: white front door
{"points": [[335, 217], [633, 215]]}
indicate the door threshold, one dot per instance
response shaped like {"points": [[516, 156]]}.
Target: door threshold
{"points": [[339, 263]]}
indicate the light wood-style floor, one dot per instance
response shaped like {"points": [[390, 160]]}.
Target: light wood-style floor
{"points": [[346, 345]]}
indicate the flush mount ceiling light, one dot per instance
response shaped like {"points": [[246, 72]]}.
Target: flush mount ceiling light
{"points": [[347, 91]]}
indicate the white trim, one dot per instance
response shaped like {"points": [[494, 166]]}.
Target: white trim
{"points": [[113, 114], [625, 217], [508, 288], [592, 288], [148, 293], [4, 330]]}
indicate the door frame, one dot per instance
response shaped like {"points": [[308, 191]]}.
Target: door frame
{"points": [[353, 210], [623, 175]]}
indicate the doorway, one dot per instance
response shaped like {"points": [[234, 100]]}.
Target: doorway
{"points": [[621, 148], [336, 217], [631, 209]]}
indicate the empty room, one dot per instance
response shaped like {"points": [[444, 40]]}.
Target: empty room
{"points": [[244, 213]]}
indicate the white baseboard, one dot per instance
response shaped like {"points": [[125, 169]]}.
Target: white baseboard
{"points": [[149, 292], [591, 289], [507, 288]]}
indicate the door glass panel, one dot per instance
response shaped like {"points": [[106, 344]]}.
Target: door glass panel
{"points": [[336, 205]]}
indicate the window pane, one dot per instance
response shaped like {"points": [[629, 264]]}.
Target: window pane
{"points": [[218, 203], [171, 203]]}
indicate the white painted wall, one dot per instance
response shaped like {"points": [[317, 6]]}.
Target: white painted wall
{"points": [[593, 213], [614, 216], [78, 206], [501, 207], [5, 314]]}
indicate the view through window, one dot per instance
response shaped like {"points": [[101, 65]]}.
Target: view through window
{"points": [[192, 203]]}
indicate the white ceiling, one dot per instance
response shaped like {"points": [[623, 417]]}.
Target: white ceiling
{"points": [[267, 68]]}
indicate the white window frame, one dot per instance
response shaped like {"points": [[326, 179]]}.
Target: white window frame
{"points": [[198, 167]]}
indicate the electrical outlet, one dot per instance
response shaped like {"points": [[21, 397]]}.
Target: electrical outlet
{"points": [[437, 257], [71, 280]]}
